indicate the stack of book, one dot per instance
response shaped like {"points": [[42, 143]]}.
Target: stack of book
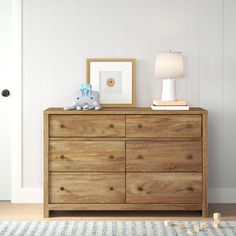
{"points": [[169, 105]]}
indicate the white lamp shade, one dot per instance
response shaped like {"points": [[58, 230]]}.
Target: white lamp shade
{"points": [[169, 65]]}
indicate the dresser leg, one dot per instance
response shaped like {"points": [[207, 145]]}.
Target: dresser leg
{"points": [[46, 213], [205, 212]]}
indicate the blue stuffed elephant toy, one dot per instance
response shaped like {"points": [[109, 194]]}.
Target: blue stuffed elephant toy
{"points": [[85, 99]]}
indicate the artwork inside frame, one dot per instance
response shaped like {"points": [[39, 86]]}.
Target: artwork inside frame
{"points": [[114, 79]]}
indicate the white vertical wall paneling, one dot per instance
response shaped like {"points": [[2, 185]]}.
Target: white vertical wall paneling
{"points": [[60, 34], [137, 44], [211, 82], [191, 53], [35, 111], [168, 31], [119, 24], [216, 143], [157, 42], [47, 11], [102, 28], [65, 54], [83, 39], [229, 112], [176, 35]]}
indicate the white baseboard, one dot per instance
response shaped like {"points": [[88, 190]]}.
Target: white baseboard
{"points": [[222, 195], [216, 195]]}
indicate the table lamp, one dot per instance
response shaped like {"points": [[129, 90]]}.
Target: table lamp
{"points": [[169, 66]]}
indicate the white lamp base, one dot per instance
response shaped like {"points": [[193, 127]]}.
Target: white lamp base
{"points": [[168, 90]]}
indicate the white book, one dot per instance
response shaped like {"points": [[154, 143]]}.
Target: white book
{"points": [[169, 103], [170, 108]]}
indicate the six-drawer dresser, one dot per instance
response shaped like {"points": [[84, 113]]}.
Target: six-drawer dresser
{"points": [[125, 159]]}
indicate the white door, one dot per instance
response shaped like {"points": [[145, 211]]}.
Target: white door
{"points": [[5, 157], [11, 162], [5, 83]]}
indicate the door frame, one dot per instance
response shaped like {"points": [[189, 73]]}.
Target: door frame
{"points": [[19, 194]]}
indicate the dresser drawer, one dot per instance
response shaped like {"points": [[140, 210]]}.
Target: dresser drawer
{"points": [[164, 156], [163, 126], [87, 125], [86, 188], [86, 156], [164, 188]]}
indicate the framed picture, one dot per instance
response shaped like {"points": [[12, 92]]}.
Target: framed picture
{"points": [[114, 79]]}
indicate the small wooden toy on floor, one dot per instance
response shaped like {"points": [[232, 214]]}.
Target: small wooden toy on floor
{"points": [[190, 232], [196, 228], [168, 223], [216, 224], [216, 218], [181, 226], [203, 226]]}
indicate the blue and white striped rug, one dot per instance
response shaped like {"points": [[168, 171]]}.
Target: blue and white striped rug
{"points": [[108, 228]]}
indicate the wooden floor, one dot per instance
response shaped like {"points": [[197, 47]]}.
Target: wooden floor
{"points": [[10, 211]]}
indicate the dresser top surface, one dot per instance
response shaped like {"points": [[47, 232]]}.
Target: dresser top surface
{"points": [[124, 111]]}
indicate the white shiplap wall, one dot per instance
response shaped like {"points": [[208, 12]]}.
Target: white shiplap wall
{"points": [[58, 35]]}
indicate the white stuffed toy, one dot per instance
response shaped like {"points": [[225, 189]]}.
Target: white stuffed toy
{"points": [[85, 99]]}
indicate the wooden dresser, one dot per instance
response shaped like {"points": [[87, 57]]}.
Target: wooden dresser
{"points": [[125, 159]]}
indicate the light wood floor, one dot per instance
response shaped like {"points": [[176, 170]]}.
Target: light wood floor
{"points": [[10, 211]]}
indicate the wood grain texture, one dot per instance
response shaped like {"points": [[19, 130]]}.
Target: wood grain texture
{"points": [[124, 111], [46, 169], [86, 156], [205, 166], [87, 126], [163, 126], [11, 211], [157, 139], [126, 207], [164, 188], [87, 187], [166, 156], [162, 167]]}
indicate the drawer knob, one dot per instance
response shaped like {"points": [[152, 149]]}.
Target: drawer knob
{"points": [[111, 157], [140, 189], [188, 126], [62, 188], [172, 167], [62, 157], [62, 126], [189, 156], [190, 189], [140, 157], [111, 126], [140, 126], [111, 188]]}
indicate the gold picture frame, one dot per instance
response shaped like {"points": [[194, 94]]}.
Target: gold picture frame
{"points": [[110, 81]]}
